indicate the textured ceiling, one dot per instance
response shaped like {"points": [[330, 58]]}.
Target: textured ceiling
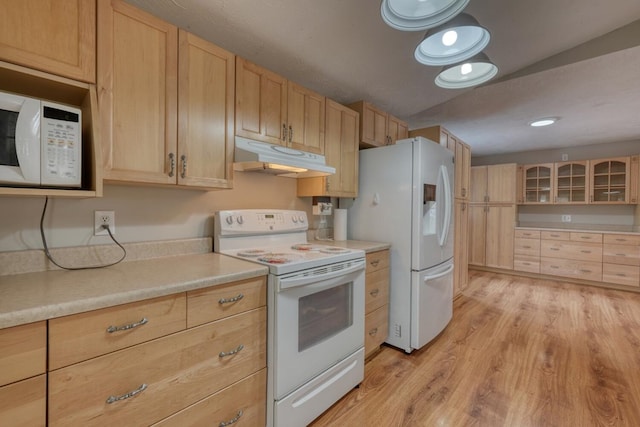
{"points": [[556, 58]]}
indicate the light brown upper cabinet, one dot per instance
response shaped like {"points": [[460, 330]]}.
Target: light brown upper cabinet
{"points": [[571, 182], [537, 184], [494, 183], [462, 153], [56, 36], [377, 127], [144, 140], [341, 152], [610, 180], [272, 109]]}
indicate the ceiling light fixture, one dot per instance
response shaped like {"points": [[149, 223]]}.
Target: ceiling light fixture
{"points": [[453, 41], [419, 15], [544, 122], [470, 72]]}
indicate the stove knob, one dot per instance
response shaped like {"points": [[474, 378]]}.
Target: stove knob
{"points": [[301, 219], [240, 219], [294, 219], [230, 220]]}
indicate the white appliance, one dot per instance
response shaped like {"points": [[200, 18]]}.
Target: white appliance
{"points": [[40, 143], [315, 306], [406, 198]]}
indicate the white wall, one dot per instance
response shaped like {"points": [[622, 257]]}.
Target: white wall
{"points": [[141, 213]]}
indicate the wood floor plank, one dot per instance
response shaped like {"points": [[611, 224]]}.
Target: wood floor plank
{"points": [[518, 352]]}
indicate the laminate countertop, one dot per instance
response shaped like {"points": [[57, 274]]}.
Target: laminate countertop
{"points": [[30, 297]]}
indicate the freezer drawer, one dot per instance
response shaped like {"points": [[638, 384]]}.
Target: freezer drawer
{"points": [[432, 302]]}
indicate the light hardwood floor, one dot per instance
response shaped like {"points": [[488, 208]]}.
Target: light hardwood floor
{"points": [[518, 352]]}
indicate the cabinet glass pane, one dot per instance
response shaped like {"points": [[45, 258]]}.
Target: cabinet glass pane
{"points": [[618, 167], [602, 180], [578, 196], [532, 183], [564, 170], [532, 173], [544, 172], [601, 195], [579, 169], [617, 180], [564, 182], [601, 168], [545, 183]]}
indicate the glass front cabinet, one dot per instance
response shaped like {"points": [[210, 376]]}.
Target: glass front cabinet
{"points": [[610, 180], [537, 181], [572, 182]]}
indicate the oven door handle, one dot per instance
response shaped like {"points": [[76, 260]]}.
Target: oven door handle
{"points": [[306, 278]]}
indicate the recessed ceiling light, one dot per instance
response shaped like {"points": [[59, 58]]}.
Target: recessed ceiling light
{"points": [[419, 15], [470, 72], [543, 122], [454, 41]]}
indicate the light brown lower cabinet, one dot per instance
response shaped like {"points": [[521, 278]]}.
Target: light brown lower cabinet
{"points": [[491, 234], [461, 250], [609, 258], [192, 358], [376, 320]]}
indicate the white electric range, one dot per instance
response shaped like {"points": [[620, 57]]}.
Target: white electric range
{"points": [[315, 306]]}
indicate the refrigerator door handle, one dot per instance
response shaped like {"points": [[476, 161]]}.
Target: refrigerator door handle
{"points": [[444, 233], [438, 275]]}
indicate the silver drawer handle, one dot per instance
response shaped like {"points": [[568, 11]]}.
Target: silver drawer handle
{"points": [[373, 331], [374, 293], [554, 266], [585, 271], [527, 247], [526, 263], [375, 262], [621, 254], [585, 252], [112, 329], [231, 421], [555, 235], [232, 299], [621, 274], [232, 352], [554, 249], [621, 240], [113, 399]]}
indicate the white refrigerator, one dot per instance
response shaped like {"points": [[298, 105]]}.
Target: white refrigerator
{"points": [[405, 198]]}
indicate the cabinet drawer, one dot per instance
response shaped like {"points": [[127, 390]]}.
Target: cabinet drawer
{"points": [[377, 261], [571, 268], [555, 235], [207, 305], [23, 352], [622, 239], [621, 274], [178, 370], [527, 247], [571, 250], [244, 401], [24, 403], [83, 336], [586, 237], [376, 329], [376, 289], [527, 234], [621, 254], [525, 263]]}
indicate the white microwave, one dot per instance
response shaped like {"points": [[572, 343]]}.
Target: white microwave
{"points": [[40, 143]]}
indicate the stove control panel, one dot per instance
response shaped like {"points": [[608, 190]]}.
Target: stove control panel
{"points": [[260, 221]]}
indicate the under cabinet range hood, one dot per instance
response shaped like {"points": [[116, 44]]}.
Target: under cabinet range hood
{"points": [[256, 156]]}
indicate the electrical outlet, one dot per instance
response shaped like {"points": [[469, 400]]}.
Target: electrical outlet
{"points": [[566, 218], [104, 218]]}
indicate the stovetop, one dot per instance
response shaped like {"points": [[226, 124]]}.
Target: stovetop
{"points": [[275, 238]]}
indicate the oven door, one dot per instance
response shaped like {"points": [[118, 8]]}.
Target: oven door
{"points": [[318, 322]]}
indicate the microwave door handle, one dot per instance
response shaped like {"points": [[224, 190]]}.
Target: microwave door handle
{"points": [[300, 280]]}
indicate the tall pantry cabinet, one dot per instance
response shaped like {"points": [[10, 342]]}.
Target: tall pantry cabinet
{"points": [[492, 215]]}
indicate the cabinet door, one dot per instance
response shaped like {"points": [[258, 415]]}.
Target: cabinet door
{"points": [[499, 237], [261, 103], [610, 179], [56, 36], [501, 183], [374, 126], [461, 252], [396, 129], [206, 94], [24, 403], [537, 182], [571, 182], [305, 115], [463, 165], [137, 94], [478, 184], [477, 234]]}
